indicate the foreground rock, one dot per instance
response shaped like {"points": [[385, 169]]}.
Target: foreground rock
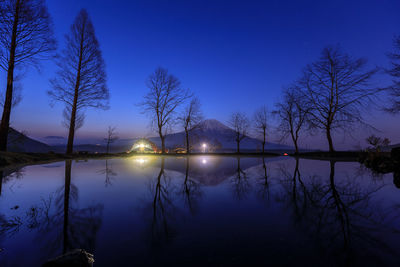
{"points": [[74, 258]]}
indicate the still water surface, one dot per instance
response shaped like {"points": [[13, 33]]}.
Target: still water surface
{"points": [[208, 210]]}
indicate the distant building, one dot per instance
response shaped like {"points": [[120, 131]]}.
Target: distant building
{"points": [[144, 145]]}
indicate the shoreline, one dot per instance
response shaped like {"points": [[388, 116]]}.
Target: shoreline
{"points": [[16, 159]]}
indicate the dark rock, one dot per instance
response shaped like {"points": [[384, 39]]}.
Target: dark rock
{"points": [[395, 154], [396, 179], [74, 258]]}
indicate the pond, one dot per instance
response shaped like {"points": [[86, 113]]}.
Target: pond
{"points": [[201, 211]]}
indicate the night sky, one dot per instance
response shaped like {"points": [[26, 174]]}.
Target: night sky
{"points": [[234, 55]]}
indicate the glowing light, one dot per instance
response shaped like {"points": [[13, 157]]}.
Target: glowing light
{"points": [[204, 145], [285, 154], [141, 161], [204, 161]]}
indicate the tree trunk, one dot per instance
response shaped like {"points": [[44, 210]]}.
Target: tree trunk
{"points": [[265, 169], [67, 189], [108, 147], [71, 134], [162, 143], [263, 144], [238, 146], [187, 141], [296, 148], [187, 170], [5, 119], [329, 137], [1, 180]]}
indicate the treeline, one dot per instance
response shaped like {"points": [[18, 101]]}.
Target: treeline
{"points": [[26, 38], [330, 96]]}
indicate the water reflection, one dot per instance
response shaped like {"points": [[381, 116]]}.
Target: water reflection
{"points": [[79, 225], [396, 178], [185, 211], [240, 182], [263, 183], [164, 210], [8, 175], [109, 173], [340, 216]]}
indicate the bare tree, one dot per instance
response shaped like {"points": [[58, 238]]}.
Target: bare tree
{"points": [[377, 142], [190, 119], [111, 137], [160, 103], [260, 124], [240, 125], [292, 113], [81, 80], [337, 88], [26, 36], [394, 72]]}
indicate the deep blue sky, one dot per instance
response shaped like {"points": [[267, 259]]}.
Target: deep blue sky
{"points": [[234, 55]]}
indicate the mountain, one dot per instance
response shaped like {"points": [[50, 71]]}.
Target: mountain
{"points": [[220, 137], [217, 136], [19, 142], [54, 140]]}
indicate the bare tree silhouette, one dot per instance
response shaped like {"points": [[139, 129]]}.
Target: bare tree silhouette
{"points": [[190, 120], [111, 137], [26, 37], [240, 125], [394, 72], [292, 113], [337, 88], [161, 102], [261, 123], [81, 80]]}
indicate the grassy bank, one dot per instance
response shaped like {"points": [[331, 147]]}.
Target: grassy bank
{"points": [[333, 156]]}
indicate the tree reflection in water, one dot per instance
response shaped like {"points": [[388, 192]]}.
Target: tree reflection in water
{"points": [[109, 173], [8, 175], [9, 225], [170, 198], [241, 183], [163, 208], [339, 215], [190, 190], [263, 184], [79, 225]]}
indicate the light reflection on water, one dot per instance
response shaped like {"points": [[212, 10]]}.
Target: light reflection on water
{"points": [[200, 210]]}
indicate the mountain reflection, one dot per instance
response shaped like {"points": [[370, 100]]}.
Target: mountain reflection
{"points": [[201, 210]]}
